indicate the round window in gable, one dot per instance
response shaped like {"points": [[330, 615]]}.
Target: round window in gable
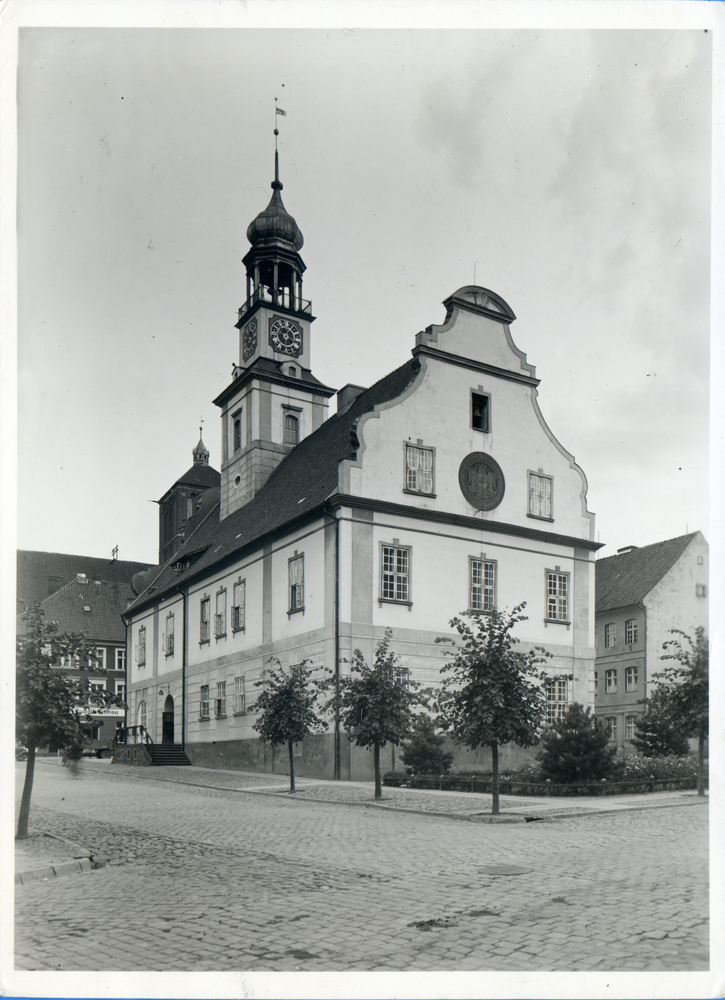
{"points": [[237, 480]]}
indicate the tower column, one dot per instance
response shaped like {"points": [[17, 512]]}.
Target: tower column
{"points": [[249, 290], [275, 285]]}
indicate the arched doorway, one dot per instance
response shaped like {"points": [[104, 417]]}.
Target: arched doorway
{"points": [[167, 721]]}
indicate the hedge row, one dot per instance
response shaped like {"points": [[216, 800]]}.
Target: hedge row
{"points": [[479, 783]]}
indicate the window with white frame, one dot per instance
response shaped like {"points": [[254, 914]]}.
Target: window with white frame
{"points": [[205, 609], [401, 676], [100, 661], [296, 570], [611, 725], [141, 714], [630, 678], [610, 634], [95, 686], [141, 647], [221, 700], [238, 607], [189, 508], [395, 573], [557, 596], [482, 584], [291, 429], [630, 631], [480, 412], [120, 659], [220, 618], [630, 724], [610, 681], [121, 690], [240, 696], [556, 699], [204, 701], [168, 643], [418, 469], [540, 495]]}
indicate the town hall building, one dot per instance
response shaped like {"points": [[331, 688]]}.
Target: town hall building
{"points": [[439, 489]]}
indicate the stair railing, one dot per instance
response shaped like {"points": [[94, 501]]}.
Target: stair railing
{"points": [[130, 735]]}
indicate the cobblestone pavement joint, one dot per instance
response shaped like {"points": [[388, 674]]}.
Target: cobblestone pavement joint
{"points": [[200, 878]]}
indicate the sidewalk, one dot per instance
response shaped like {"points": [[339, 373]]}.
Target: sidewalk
{"points": [[472, 806], [41, 856]]}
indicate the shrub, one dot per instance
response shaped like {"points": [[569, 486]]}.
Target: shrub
{"points": [[576, 748], [423, 753], [630, 766], [657, 734], [529, 771]]}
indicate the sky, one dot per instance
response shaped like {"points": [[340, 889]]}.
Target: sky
{"points": [[570, 168]]}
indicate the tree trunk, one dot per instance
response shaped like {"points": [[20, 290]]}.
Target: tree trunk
{"points": [[378, 783], [494, 779], [701, 764], [27, 791], [291, 748]]}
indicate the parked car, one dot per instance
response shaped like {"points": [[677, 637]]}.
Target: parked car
{"points": [[21, 753]]}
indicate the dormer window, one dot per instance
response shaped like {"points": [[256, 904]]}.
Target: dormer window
{"points": [[293, 371]]}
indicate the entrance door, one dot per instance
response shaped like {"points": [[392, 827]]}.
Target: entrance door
{"points": [[167, 721]]}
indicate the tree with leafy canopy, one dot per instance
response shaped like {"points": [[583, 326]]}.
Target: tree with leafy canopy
{"points": [[375, 707], [494, 693], [52, 707], [288, 707], [576, 748], [656, 733], [423, 752], [683, 687]]}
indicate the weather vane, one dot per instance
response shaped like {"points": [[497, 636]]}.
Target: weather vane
{"points": [[277, 111]]}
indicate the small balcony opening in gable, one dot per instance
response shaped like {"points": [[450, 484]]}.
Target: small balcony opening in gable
{"points": [[480, 412]]}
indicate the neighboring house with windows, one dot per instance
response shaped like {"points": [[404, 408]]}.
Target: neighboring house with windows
{"points": [[642, 593], [438, 489], [93, 608]]}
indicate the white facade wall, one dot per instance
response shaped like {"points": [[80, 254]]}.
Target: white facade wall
{"points": [[675, 603]]}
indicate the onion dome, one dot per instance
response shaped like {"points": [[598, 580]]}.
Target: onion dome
{"points": [[275, 222]]}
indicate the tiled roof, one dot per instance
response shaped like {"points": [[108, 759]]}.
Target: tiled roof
{"points": [[628, 577], [300, 484], [106, 603], [198, 475], [42, 573]]}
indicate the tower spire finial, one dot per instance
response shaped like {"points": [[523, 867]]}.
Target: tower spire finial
{"points": [[276, 183]]}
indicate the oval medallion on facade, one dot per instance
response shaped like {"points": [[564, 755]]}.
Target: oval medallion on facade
{"points": [[481, 481]]}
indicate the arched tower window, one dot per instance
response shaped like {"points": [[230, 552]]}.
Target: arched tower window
{"points": [[291, 429]]}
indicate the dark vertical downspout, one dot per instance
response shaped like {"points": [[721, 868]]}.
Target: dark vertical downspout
{"points": [[183, 667], [336, 772], [127, 678]]}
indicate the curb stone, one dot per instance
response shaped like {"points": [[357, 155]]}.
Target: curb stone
{"points": [[53, 871]]}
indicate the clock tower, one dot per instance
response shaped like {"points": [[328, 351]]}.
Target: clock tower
{"points": [[274, 400]]}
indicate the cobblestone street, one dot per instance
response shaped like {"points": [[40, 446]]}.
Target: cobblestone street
{"points": [[201, 878]]}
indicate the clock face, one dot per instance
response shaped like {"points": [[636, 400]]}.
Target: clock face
{"points": [[249, 339], [285, 336]]}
